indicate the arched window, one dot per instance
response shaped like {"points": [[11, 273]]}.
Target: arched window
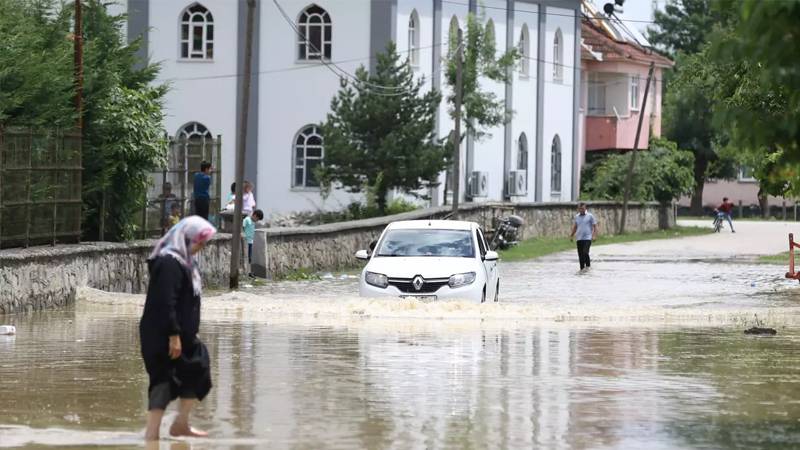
{"points": [[489, 34], [522, 153], [308, 154], [524, 51], [558, 57], [555, 166], [197, 33], [413, 38], [316, 30], [194, 130]]}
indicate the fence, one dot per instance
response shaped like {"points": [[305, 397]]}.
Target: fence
{"points": [[172, 186], [40, 187]]}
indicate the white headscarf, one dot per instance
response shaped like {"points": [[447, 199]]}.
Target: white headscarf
{"points": [[178, 241]]}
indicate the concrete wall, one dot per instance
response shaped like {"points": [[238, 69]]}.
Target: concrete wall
{"points": [[46, 277], [332, 247]]}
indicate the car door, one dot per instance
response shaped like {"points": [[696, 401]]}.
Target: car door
{"points": [[490, 267]]}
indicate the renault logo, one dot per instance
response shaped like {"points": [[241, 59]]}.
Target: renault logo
{"points": [[417, 282]]}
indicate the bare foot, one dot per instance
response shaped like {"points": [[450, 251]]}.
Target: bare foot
{"points": [[185, 430]]}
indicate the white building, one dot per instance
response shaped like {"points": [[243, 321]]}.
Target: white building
{"points": [[200, 46]]}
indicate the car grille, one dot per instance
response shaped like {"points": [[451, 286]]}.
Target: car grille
{"points": [[429, 286]]}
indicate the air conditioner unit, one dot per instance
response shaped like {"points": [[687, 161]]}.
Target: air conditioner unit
{"points": [[517, 183], [479, 184]]}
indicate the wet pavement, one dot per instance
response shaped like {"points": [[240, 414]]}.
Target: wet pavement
{"points": [[645, 350]]}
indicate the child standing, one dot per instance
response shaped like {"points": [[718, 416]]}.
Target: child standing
{"points": [[174, 215], [248, 199], [249, 232]]}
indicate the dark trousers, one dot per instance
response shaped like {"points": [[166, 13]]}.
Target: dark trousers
{"points": [[583, 253], [201, 207]]}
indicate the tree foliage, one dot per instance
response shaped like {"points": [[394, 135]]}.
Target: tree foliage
{"points": [[663, 174], [122, 132], [378, 139], [481, 109], [759, 100], [684, 25]]}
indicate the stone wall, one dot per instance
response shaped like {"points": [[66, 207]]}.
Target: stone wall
{"points": [[44, 277], [280, 251]]}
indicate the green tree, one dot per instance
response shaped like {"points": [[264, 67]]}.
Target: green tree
{"points": [[684, 25], [682, 30], [122, 134], [759, 100], [481, 109], [382, 138], [663, 174]]}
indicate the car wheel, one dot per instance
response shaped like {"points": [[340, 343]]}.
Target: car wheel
{"points": [[483, 296], [497, 292]]}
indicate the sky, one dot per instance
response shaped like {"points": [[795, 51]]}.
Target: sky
{"points": [[635, 10]]}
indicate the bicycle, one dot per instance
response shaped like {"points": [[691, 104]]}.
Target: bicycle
{"points": [[718, 222]]}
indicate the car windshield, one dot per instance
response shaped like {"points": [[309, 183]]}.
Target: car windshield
{"points": [[427, 242]]}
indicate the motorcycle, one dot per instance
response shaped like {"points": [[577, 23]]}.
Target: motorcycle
{"points": [[506, 232]]}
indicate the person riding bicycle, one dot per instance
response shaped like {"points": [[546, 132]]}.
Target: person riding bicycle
{"points": [[725, 211]]}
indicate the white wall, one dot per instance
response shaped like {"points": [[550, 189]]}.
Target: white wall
{"points": [[524, 96], [558, 101], [424, 70], [489, 151], [200, 91], [294, 94]]}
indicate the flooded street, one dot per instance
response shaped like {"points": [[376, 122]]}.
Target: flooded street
{"points": [[646, 350]]}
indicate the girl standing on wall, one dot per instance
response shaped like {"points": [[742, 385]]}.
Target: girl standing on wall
{"points": [[175, 359]]}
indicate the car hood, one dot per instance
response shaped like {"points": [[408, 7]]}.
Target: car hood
{"points": [[428, 267]]}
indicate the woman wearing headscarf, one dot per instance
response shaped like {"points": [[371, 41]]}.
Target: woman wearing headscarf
{"points": [[175, 359]]}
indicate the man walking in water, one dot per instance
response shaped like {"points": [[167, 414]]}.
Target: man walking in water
{"points": [[726, 208], [585, 226]]}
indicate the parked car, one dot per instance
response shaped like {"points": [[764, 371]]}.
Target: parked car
{"points": [[431, 260]]}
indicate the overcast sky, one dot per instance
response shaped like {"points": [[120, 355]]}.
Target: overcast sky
{"points": [[635, 11]]}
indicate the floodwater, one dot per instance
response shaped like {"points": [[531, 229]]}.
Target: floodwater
{"points": [[636, 353]]}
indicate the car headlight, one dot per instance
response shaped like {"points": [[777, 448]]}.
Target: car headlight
{"points": [[376, 279], [461, 279]]}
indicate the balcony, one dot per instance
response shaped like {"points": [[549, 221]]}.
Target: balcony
{"points": [[612, 133]]}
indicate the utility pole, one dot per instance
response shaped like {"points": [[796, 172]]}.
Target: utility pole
{"points": [[236, 250], [629, 178], [457, 133]]}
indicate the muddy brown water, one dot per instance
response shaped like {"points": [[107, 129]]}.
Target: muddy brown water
{"points": [[636, 353]]}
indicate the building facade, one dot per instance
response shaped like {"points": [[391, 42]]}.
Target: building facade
{"points": [[301, 50], [615, 60]]}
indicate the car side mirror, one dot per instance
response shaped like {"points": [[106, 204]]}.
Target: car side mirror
{"points": [[362, 255], [491, 256]]}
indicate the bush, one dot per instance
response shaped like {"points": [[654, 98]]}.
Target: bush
{"points": [[662, 174]]}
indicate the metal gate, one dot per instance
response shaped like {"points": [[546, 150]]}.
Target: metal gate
{"points": [[172, 186]]}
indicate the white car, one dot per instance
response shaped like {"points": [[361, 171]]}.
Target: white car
{"points": [[431, 260]]}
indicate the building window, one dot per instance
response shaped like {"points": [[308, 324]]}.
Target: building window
{"points": [[308, 154], [197, 33], [314, 42], [524, 52], [746, 175], [522, 153], [634, 92], [555, 166], [558, 57], [194, 130], [597, 95], [413, 39]]}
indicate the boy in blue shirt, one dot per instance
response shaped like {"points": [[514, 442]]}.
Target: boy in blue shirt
{"points": [[202, 183], [249, 233]]}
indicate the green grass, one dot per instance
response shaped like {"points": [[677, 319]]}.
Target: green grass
{"points": [[780, 258], [537, 247]]}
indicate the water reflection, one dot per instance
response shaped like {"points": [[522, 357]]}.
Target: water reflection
{"points": [[77, 378]]}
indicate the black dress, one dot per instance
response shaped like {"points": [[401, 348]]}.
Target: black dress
{"points": [[172, 308]]}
